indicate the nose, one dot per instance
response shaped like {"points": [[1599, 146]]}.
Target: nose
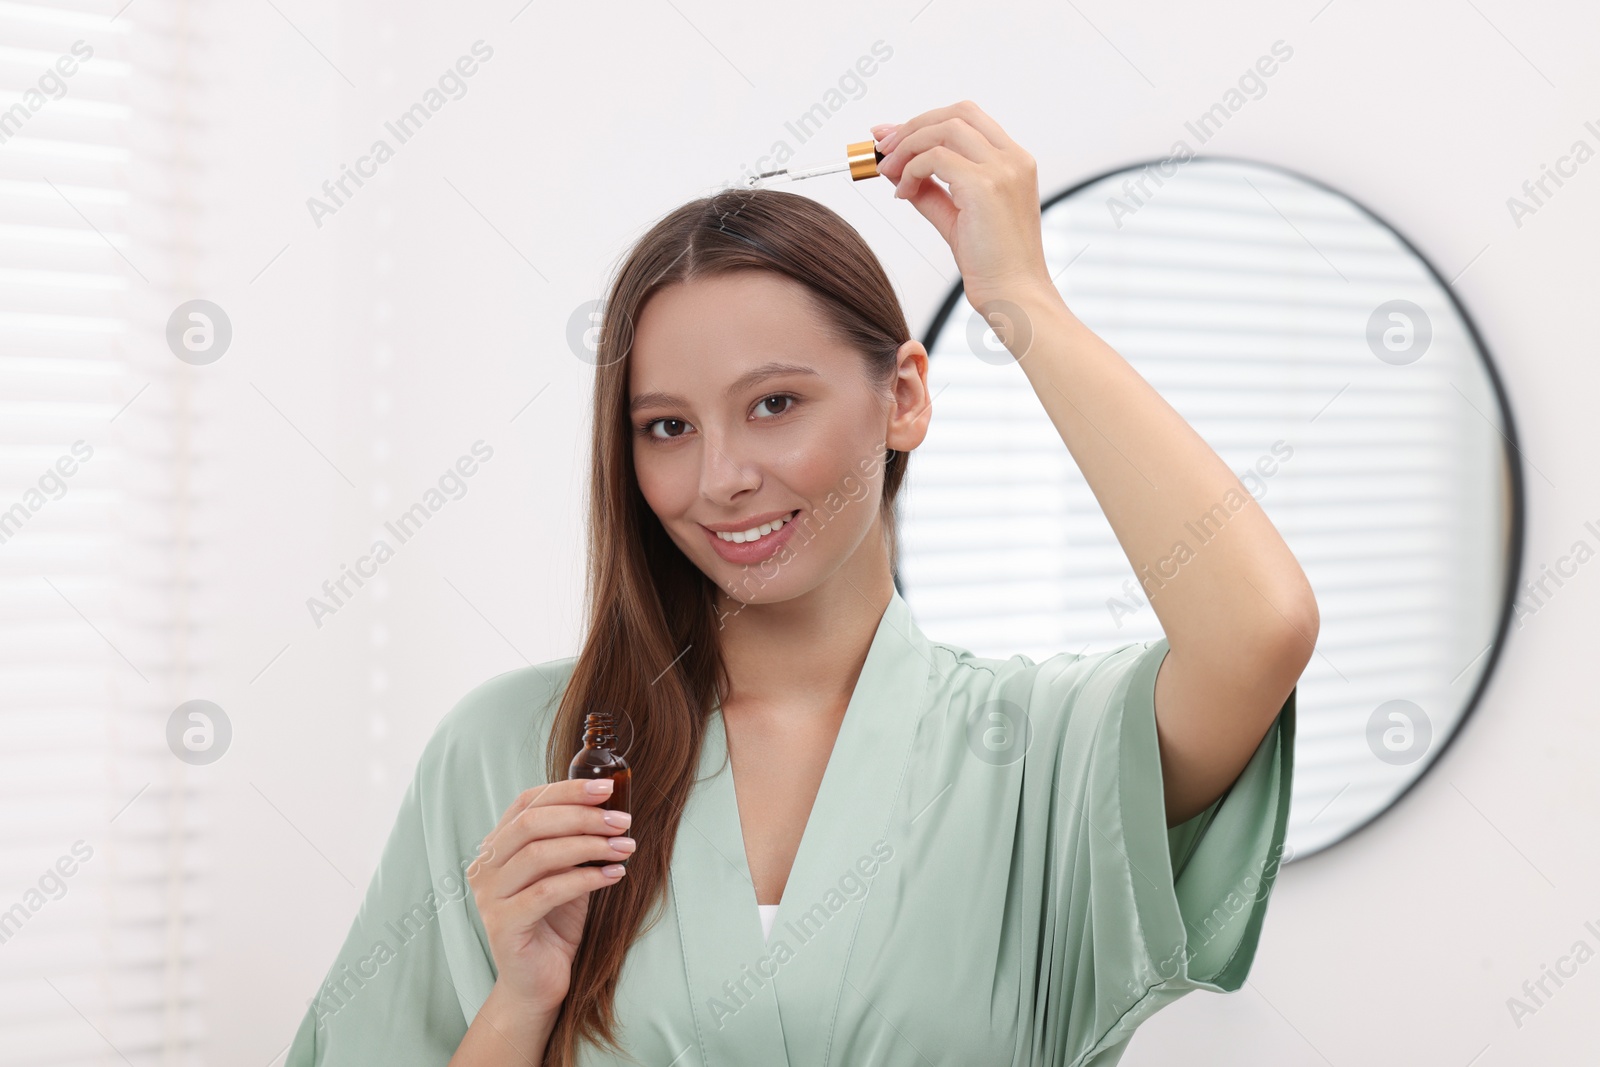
{"points": [[723, 476]]}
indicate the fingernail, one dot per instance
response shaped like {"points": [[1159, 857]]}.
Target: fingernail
{"points": [[616, 870], [620, 819], [597, 785], [624, 844]]}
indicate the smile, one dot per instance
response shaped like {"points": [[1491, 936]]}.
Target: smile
{"points": [[756, 532], [754, 544]]}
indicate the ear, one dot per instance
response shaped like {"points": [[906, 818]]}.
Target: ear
{"points": [[912, 408]]}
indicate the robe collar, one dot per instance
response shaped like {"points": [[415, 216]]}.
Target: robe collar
{"points": [[776, 1002]]}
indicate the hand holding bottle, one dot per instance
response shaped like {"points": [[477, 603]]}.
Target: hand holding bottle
{"points": [[531, 891]]}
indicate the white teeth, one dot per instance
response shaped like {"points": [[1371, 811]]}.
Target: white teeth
{"points": [[751, 534]]}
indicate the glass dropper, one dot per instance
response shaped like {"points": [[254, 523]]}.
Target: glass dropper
{"points": [[861, 160]]}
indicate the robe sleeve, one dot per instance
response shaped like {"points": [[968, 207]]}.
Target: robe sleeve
{"points": [[415, 965], [1144, 913]]}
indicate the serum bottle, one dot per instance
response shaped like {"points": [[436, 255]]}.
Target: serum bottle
{"points": [[599, 759]]}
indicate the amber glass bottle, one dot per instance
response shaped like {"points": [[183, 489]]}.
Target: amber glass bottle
{"points": [[598, 759]]}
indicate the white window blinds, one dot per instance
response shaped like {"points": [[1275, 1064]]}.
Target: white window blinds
{"points": [[99, 877]]}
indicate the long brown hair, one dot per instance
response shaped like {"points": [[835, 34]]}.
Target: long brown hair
{"points": [[651, 652]]}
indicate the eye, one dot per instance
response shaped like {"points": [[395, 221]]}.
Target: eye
{"points": [[763, 411], [648, 429]]}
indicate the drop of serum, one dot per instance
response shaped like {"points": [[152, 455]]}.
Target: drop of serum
{"points": [[598, 759]]}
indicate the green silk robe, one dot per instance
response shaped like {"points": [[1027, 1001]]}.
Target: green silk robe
{"points": [[986, 877]]}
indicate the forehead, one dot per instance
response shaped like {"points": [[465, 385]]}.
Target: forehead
{"points": [[715, 328]]}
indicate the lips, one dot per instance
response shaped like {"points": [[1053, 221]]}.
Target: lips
{"points": [[753, 551], [753, 522]]}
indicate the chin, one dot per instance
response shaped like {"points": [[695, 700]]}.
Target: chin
{"points": [[750, 586], [753, 584]]}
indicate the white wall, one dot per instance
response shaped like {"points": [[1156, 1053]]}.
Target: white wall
{"points": [[409, 325]]}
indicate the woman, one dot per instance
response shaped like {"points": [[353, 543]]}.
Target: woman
{"points": [[972, 860]]}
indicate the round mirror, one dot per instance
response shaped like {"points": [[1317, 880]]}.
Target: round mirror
{"points": [[1333, 370]]}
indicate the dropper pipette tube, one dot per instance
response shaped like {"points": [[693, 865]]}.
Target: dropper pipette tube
{"points": [[861, 161], [783, 174]]}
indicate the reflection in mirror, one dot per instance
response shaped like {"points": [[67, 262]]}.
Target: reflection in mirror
{"points": [[1332, 369]]}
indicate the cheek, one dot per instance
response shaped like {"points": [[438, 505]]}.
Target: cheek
{"points": [[652, 480], [667, 482], [818, 475], [828, 476]]}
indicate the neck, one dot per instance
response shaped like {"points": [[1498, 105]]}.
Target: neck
{"points": [[802, 654]]}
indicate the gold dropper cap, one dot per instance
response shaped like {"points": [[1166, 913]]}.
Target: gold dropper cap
{"points": [[864, 160]]}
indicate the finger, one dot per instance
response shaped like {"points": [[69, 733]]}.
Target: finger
{"points": [[534, 823], [514, 808], [953, 133], [569, 791], [946, 164], [965, 109], [936, 206], [548, 894], [541, 819], [550, 856]]}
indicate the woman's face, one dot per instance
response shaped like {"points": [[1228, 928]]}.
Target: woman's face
{"points": [[746, 413]]}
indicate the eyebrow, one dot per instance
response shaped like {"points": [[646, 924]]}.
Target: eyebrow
{"points": [[743, 382]]}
